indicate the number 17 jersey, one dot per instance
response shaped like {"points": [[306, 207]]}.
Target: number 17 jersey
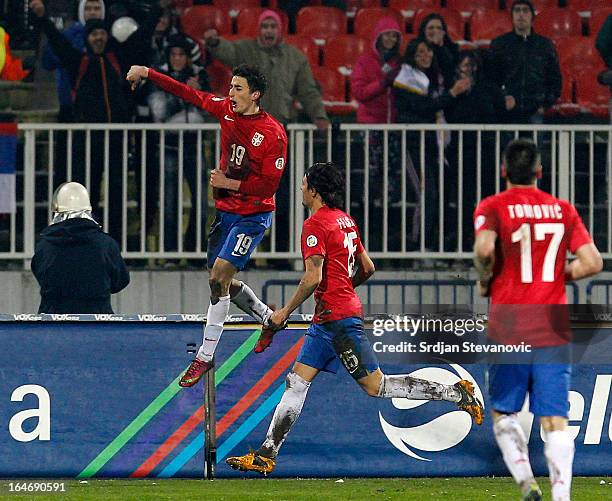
{"points": [[534, 233], [333, 234]]}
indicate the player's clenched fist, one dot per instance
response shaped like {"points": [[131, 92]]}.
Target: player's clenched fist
{"points": [[135, 75], [218, 179], [37, 7]]}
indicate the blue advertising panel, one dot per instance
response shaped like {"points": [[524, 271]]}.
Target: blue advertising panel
{"points": [[101, 399]]}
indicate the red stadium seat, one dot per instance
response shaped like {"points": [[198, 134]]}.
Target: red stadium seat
{"points": [[587, 5], [233, 7], [246, 22], [199, 18], [577, 54], [367, 19], [333, 90], [598, 18], [485, 25], [539, 5], [453, 19], [219, 77], [408, 8], [307, 46], [591, 96], [341, 52], [555, 23], [352, 6], [321, 22], [472, 5]]}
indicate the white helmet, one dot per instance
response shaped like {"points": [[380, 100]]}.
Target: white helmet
{"points": [[70, 197], [123, 27]]}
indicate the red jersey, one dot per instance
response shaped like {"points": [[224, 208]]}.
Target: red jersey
{"points": [[333, 234], [534, 231], [253, 149]]}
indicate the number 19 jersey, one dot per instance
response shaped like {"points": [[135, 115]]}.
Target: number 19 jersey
{"points": [[333, 234], [534, 233]]}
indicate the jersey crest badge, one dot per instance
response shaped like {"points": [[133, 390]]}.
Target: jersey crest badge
{"points": [[311, 241], [257, 139], [480, 220]]}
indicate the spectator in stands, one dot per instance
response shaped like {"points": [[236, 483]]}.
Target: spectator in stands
{"points": [[100, 96], [75, 34], [482, 103], [77, 265], [167, 108], [285, 68], [372, 87], [11, 68], [421, 99], [604, 46], [374, 73], [157, 57], [526, 67], [433, 28]]}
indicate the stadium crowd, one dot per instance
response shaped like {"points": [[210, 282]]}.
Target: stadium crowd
{"points": [[387, 61]]}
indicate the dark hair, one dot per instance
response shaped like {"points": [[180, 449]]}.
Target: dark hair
{"points": [[521, 158], [524, 2], [433, 73], [425, 21], [254, 77], [180, 41], [475, 60], [328, 180]]}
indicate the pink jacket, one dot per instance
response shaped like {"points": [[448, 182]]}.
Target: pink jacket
{"points": [[376, 102]]}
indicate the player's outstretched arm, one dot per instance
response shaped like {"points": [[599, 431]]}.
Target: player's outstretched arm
{"points": [[137, 74], [588, 262], [310, 281], [484, 259], [364, 269]]}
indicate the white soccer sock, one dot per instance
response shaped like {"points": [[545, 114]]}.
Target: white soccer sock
{"points": [[248, 302], [286, 413], [559, 452], [512, 442], [214, 327], [405, 386]]}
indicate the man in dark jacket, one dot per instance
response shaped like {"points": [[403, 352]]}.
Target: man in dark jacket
{"points": [[100, 96], [77, 265], [526, 67]]}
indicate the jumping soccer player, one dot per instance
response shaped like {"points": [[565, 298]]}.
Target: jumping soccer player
{"points": [[522, 239], [336, 263], [253, 157]]}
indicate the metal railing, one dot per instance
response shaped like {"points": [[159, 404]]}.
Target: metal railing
{"points": [[411, 188], [398, 292]]}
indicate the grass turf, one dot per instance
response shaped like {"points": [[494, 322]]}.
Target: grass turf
{"points": [[260, 489]]}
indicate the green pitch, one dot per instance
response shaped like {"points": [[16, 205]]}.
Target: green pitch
{"points": [[260, 489]]}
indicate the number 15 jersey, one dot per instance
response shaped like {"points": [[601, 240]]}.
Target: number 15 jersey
{"points": [[534, 233], [333, 234]]}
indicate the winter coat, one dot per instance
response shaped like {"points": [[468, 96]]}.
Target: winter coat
{"points": [[286, 70], [415, 97], [368, 85], [168, 108], [99, 87], [526, 68], [75, 34], [78, 267]]}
